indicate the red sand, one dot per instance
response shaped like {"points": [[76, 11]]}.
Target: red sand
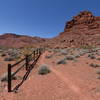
{"points": [[73, 81]]}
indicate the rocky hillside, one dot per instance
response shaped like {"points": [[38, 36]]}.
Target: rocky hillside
{"points": [[13, 40], [82, 30]]}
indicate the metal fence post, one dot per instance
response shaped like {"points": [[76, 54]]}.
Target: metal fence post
{"points": [[9, 78]]}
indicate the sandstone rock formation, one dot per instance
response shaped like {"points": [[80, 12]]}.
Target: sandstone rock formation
{"points": [[84, 18], [82, 30]]}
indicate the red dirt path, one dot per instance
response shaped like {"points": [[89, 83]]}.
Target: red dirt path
{"points": [[61, 84]]}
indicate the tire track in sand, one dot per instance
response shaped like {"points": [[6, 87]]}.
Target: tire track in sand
{"points": [[73, 87]]}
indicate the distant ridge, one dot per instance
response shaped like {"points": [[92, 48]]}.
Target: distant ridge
{"points": [[17, 41]]}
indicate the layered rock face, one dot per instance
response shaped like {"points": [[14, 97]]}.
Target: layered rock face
{"points": [[85, 18], [82, 30]]}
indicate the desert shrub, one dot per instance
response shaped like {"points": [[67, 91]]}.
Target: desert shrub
{"points": [[48, 56], [62, 61], [27, 51], [82, 53], [91, 56], [98, 58], [43, 70], [9, 59], [94, 65], [77, 56], [87, 47], [98, 72], [4, 77], [12, 53], [18, 57], [70, 58], [98, 77], [49, 50], [98, 53], [63, 52], [3, 54], [1, 50], [75, 60]]}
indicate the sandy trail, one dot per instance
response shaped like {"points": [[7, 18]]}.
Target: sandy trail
{"points": [[74, 88], [54, 86]]}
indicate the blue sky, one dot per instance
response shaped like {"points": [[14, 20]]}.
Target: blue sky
{"points": [[43, 18]]}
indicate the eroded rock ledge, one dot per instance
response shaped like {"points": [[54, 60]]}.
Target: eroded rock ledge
{"points": [[85, 18]]}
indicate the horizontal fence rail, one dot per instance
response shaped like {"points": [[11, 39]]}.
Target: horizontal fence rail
{"points": [[34, 56]]}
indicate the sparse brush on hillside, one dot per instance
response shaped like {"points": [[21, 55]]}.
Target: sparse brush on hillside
{"points": [[27, 51], [63, 52], [94, 65], [62, 61], [77, 56], [48, 56], [3, 54], [92, 56], [70, 57], [98, 58], [87, 47], [9, 59]]}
